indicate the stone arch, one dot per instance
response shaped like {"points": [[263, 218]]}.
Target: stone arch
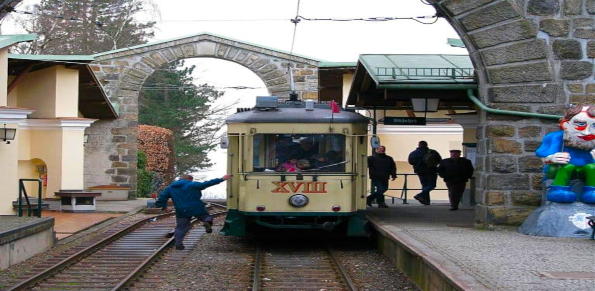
{"points": [[127, 69], [532, 56]]}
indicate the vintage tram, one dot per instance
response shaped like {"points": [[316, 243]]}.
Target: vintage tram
{"points": [[296, 165]]}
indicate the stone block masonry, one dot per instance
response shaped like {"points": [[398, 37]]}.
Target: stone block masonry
{"points": [[110, 155]]}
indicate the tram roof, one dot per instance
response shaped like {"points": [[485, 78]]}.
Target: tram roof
{"points": [[296, 115]]}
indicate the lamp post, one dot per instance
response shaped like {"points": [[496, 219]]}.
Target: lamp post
{"points": [[8, 134]]}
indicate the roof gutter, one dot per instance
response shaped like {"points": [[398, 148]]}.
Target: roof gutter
{"points": [[483, 107], [428, 86]]}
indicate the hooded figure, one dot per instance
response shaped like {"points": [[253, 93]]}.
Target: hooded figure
{"points": [[186, 197]]}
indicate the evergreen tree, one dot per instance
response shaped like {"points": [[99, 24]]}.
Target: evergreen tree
{"points": [[86, 26], [171, 100]]}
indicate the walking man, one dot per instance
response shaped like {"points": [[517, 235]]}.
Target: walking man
{"points": [[186, 197], [381, 168], [455, 171], [425, 164]]}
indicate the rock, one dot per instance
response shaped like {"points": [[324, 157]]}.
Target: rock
{"points": [[559, 220]]}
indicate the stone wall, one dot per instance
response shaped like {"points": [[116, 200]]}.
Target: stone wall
{"points": [[532, 56], [110, 154]]}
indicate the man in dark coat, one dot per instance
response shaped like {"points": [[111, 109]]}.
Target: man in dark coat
{"points": [[381, 168], [455, 171], [186, 197], [427, 174]]}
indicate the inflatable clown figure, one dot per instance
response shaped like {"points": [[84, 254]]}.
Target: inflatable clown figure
{"points": [[570, 154]]}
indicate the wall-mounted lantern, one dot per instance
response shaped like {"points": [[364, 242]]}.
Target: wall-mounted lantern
{"points": [[425, 104], [8, 134], [85, 139]]}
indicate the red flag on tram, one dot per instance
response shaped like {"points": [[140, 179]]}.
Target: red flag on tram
{"points": [[334, 107]]}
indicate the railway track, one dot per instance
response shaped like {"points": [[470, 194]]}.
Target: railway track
{"points": [[113, 261], [289, 268]]}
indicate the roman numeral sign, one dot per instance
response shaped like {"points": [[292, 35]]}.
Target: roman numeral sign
{"points": [[303, 187]]}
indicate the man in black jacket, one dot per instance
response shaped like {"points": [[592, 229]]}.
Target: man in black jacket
{"points": [[381, 168], [427, 174], [455, 171]]}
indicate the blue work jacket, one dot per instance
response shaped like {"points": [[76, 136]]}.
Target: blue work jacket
{"points": [[186, 197]]}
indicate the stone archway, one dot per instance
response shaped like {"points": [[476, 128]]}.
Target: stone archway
{"points": [[533, 56], [123, 72]]}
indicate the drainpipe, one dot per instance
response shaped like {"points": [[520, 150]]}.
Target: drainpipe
{"points": [[509, 112]]}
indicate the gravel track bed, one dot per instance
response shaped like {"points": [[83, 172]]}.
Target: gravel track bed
{"points": [[226, 263], [9, 276]]}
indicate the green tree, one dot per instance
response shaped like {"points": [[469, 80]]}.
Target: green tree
{"points": [[86, 26], [170, 99]]}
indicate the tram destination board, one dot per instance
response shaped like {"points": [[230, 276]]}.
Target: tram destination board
{"points": [[404, 120]]}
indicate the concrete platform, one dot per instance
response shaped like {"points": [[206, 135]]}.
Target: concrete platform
{"points": [[441, 250], [24, 237]]}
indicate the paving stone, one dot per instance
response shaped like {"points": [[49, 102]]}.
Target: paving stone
{"points": [[543, 7], [514, 31], [555, 27], [517, 52], [521, 73], [567, 49], [489, 15], [524, 93], [576, 70]]}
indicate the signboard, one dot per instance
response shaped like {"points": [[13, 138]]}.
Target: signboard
{"points": [[404, 120]]}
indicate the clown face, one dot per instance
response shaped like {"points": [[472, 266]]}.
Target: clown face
{"points": [[579, 131]]}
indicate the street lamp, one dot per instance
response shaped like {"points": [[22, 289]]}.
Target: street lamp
{"points": [[425, 104], [8, 134]]}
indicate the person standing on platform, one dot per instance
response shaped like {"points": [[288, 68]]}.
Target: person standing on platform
{"points": [[455, 171], [381, 167], [186, 197], [425, 164]]}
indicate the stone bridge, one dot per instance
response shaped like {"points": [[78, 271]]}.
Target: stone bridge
{"points": [[529, 55]]}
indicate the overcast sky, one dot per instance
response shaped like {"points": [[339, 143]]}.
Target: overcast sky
{"points": [[267, 23]]}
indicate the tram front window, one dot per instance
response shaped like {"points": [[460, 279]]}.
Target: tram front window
{"points": [[299, 153]]}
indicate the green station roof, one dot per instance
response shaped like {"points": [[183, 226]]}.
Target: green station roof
{"points": [[10, 39], [410, 68]]}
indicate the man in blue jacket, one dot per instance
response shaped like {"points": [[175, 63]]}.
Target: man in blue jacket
{"points": [[186, 197]]}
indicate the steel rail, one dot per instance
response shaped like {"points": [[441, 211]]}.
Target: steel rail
{"points": [[324, 276], [341, 269], [256, 275], [58, 267], [130, 278]]}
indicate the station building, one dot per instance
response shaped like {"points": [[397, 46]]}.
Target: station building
{"points": [[46, 103]]}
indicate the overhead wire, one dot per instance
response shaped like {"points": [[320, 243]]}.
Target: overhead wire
{"points": [[295, 22]]}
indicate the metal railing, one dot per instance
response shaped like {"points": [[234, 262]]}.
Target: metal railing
{"points": [[452, 73], [405, 188], [23, 190]]}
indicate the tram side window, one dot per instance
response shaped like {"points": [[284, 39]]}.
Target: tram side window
{"points": [[299, 153]]}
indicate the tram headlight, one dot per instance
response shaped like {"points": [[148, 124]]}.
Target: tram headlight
{"points": [[298, 200]]}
